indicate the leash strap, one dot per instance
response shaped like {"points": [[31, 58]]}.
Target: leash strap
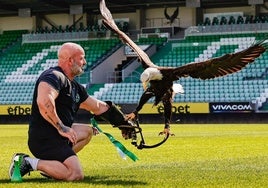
{"points": [[123, 151]]}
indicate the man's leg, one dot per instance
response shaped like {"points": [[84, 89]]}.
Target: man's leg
{"points": [[69, 170], [84, 135]]}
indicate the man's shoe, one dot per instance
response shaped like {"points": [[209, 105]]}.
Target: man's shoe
{"points": [[45, 175], [25, 166]]}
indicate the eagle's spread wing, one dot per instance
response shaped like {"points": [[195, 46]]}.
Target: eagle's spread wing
{"points": [[219, 66], [166, 14], [108, 21], [174, 15]]}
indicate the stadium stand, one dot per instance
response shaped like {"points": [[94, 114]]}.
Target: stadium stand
{"points": [[235, 20], [244, 86], [9, 37], [124, 26], [158, 41], [21, 65], [27, 61]]}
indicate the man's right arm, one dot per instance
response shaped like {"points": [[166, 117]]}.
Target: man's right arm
{"points": [[46, 104]]}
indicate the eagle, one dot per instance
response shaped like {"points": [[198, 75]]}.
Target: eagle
{"points": [[160, 78], [173, 16]]}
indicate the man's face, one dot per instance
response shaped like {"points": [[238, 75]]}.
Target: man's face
{"points": [[78, 64]]}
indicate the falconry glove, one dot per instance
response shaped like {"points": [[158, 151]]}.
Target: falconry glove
{"points": [[117, 118]]}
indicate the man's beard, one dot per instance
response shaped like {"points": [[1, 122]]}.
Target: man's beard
{"points": [[77, 70]]}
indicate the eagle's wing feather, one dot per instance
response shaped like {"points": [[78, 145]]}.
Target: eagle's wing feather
{"points": [[175, 14], [166, 14], [220, 66], [108, 21]]}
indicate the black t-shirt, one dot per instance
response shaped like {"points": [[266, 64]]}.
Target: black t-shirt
{"points": [[71, 95]]}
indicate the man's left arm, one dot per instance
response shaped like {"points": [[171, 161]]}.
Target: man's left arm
{"points": [[94, 105]]}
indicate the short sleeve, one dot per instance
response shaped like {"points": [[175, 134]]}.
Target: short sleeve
{"points": [[54, 78]]}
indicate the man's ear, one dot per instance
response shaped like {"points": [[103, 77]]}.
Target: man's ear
{"points": [[71, 60]]}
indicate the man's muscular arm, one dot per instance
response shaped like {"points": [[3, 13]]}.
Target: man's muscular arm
{"points": [[94, 105], [46, 103]]}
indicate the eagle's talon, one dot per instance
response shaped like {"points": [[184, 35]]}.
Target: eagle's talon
{"points": [[131, 116], [166, 132]]}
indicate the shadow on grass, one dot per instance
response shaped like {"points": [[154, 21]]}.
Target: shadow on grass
{"points": [[106, 180], [39, 180], [93, 180]]}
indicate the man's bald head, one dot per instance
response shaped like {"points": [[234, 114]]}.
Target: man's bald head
{"points": [[68, 50], [71, 59]]}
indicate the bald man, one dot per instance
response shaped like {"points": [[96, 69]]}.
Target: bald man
{"points": [[53, 137]]}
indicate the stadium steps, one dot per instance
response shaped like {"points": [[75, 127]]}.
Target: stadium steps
{"points": [[94, 88], [127, 93]]}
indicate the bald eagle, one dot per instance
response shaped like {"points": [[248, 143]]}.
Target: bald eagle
{"points": [[173, 16], [161, 78]]}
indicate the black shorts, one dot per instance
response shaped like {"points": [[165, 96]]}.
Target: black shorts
{"points": [[54, 148]]}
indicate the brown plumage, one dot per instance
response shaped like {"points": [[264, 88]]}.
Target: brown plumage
{"points": [[216, 67], [161, 81]]}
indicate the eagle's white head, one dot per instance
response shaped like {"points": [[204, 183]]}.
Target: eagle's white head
{"points": [[149, 74]]}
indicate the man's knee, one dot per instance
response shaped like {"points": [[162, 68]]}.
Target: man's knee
{"points": [[84, 131], [89, 133], [76, 176], [75, 171]]}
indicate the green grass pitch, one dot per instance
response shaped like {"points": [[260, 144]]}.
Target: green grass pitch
{"points": [[229, 155]]}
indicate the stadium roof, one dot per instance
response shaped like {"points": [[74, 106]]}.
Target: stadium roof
{"points": [[11, 7]]}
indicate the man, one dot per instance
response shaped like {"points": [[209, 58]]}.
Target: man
{"points": [[53, 137]]}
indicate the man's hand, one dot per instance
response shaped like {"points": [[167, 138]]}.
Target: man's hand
{"points": [[95, 131], [68, 132]]}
